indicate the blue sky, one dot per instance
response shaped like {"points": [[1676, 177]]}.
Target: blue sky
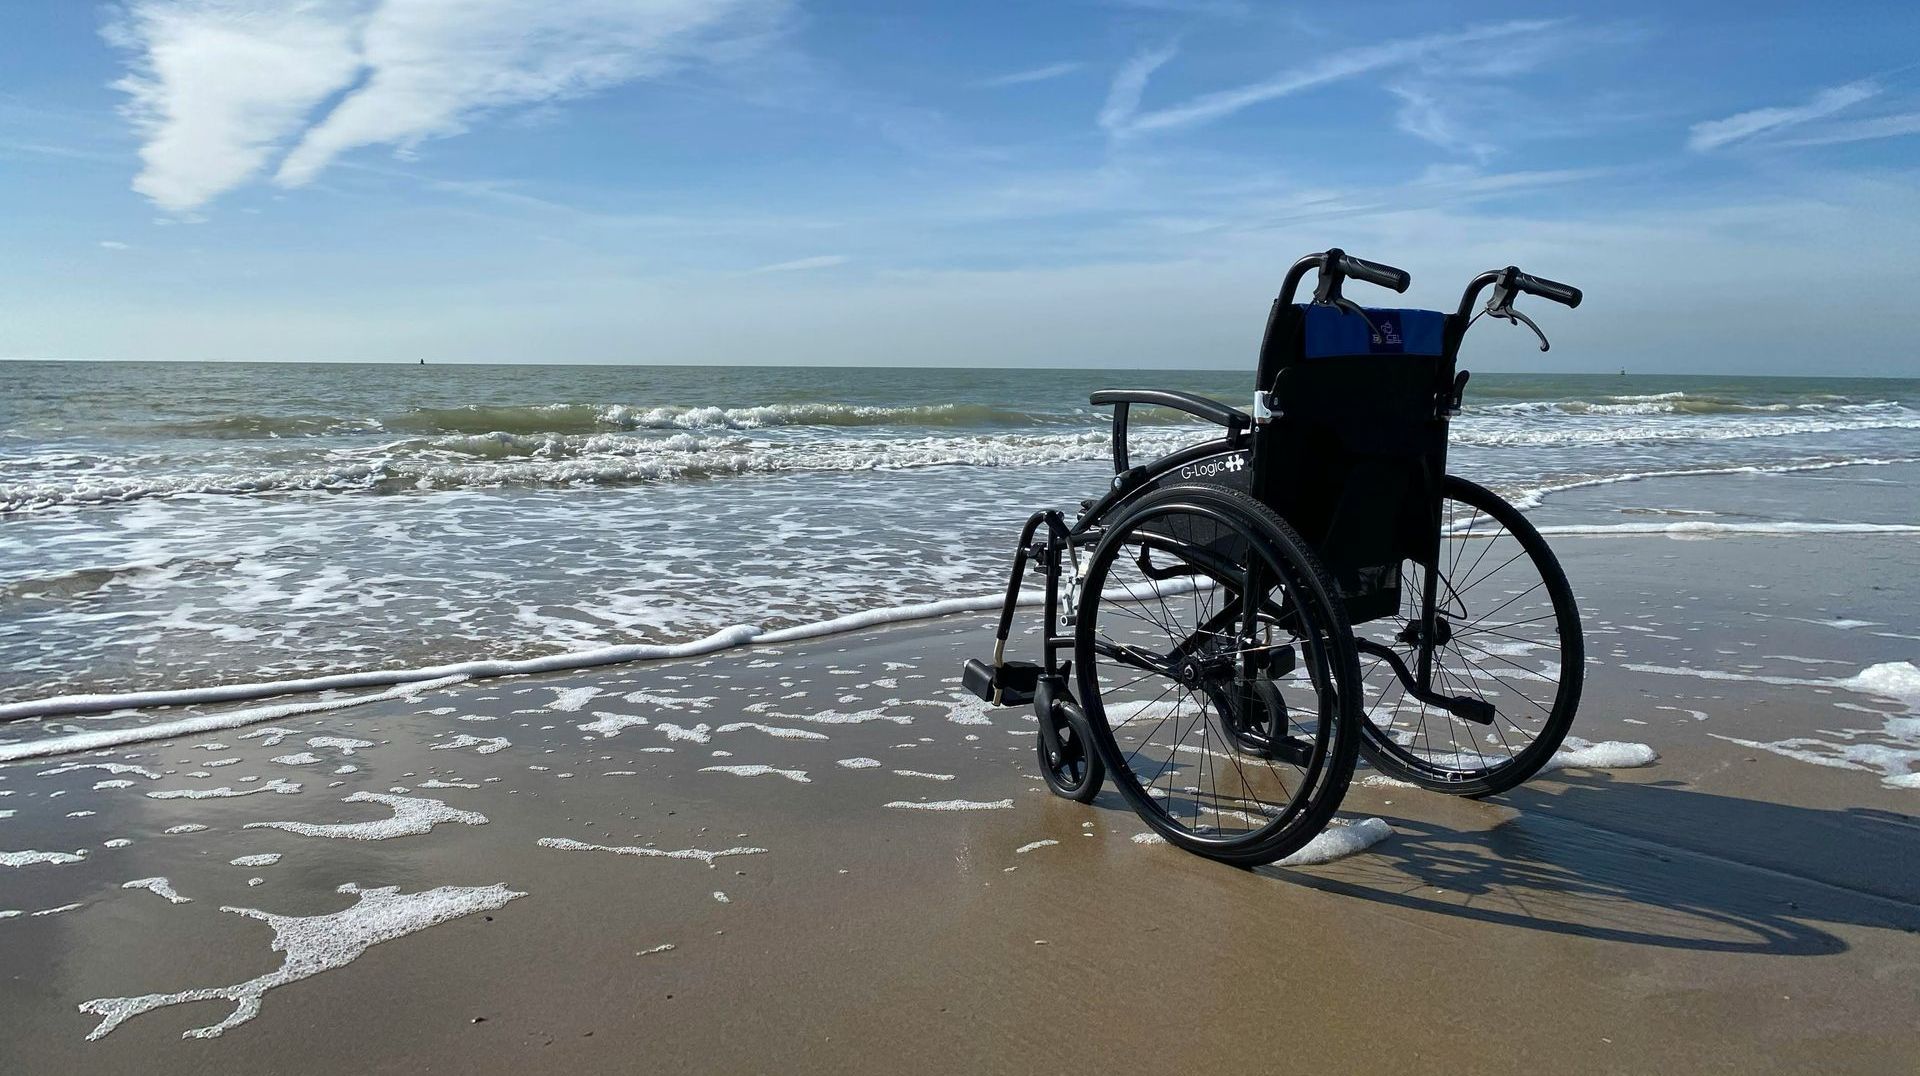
{"points": [[1078, 183]]}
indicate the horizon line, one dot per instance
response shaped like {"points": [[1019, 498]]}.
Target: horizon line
{"points": [[1607, 372]]}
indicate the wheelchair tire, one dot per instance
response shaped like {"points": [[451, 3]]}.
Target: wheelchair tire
{"points": [[1518, 647], [1236, 589], [1077, 773]]}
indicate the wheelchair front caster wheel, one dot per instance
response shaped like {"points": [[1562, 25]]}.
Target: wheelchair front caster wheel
{"points": [[1070, 764]]}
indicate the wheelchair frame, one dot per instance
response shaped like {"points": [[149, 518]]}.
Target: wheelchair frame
{"points": [[1245, 458]]}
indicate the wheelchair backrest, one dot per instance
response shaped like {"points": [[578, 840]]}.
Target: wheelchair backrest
{"points": [[1355, 452]]}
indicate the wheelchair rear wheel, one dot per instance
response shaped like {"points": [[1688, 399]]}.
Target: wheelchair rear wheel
{"points": [[1508, 634], [1218, 673]]}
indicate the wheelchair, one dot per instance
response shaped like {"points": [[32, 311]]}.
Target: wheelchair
{"points": [[1229, 626]]}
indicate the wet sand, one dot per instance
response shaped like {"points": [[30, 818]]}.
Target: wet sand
{"points": [[1727, 908]]}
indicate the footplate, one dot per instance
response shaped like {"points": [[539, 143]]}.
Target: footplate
{"points": [[1012, 684]]}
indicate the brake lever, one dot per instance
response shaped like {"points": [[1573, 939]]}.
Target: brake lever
{"points": [[1501, 306]]}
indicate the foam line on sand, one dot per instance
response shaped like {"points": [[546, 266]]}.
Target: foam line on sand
{"points": [[725, 639], [193, 726]]}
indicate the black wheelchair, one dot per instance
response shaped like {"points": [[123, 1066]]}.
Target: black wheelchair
{"points": [[1248, 614]]}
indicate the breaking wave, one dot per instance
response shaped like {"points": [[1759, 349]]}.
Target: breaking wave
{"points": [[563, 461]]}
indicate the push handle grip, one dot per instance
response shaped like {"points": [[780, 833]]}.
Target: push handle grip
{"points": [[1375, 273], [1566, 294]]}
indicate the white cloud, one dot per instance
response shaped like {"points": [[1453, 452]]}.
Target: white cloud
{"points": [[1891, 126], [1032, 74], [1712, 134], [1332, 67], [823, 261], [1424, 117], [435, 65], [112, 244], [1123, 96], [218, 87]]}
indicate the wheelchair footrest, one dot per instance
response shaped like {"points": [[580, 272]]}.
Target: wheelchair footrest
{"points": [[1014, 682], [1478, 711]]}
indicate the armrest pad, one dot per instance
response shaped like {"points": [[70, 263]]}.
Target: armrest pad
{"points": [[1213, 411]]}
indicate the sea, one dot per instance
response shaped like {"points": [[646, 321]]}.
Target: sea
{"points": [[168, 526]]}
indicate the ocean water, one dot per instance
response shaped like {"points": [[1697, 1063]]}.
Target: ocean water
{"points": [[168, 526]]}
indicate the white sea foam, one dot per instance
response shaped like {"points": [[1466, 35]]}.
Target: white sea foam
{"points": [[952, 805], [1338, 841], [304, 758], [928, 776], [346, 745], [570, 699], [314, 944], [838, 717], [185, 827], [610, 724], [30, 858], [482, 745], [110, 767], [263, 859], [188, 726], [1533, 497], [759, 770], [1576, 753], [271, 736], [1695, 529], [412, 816], [159, 887], [568, 844], [1032, 845], [224, 792], [441, 675], [701, 733], [1890, 679], [1898, 680], [1381, 780], [775, 731], [858, 763]]}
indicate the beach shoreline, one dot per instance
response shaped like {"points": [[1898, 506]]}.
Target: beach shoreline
{"points": [[1728, 906]]}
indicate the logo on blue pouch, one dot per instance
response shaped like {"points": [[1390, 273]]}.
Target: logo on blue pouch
{"points": [[1386, 335]]}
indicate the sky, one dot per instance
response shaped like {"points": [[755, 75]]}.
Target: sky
{"points": [[1106, 183]]}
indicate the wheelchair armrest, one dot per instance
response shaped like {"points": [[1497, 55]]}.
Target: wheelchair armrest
{"points": [[1235, 420], [1213, 411]]}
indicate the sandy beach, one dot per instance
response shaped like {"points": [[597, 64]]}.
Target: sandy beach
{"points": [[821, 857]]}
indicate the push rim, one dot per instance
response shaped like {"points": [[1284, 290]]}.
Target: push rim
{"points": [[1167, 642]]}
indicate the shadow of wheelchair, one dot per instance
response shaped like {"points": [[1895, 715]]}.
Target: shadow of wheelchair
{"points": [[1649, 864]]}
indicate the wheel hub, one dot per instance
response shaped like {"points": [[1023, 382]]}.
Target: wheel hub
{"points": [[1412, 635]]}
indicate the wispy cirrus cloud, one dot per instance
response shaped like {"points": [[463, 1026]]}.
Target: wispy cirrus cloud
{"points": [[1130, 83], [1032, 74], [822, 261], [1864, 130], [1122, 115], [218, 88], [1712, 134], [1424, 116]]}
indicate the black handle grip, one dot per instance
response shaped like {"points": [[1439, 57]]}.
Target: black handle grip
{"points": [[1374, 273], [1546, 289]]}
